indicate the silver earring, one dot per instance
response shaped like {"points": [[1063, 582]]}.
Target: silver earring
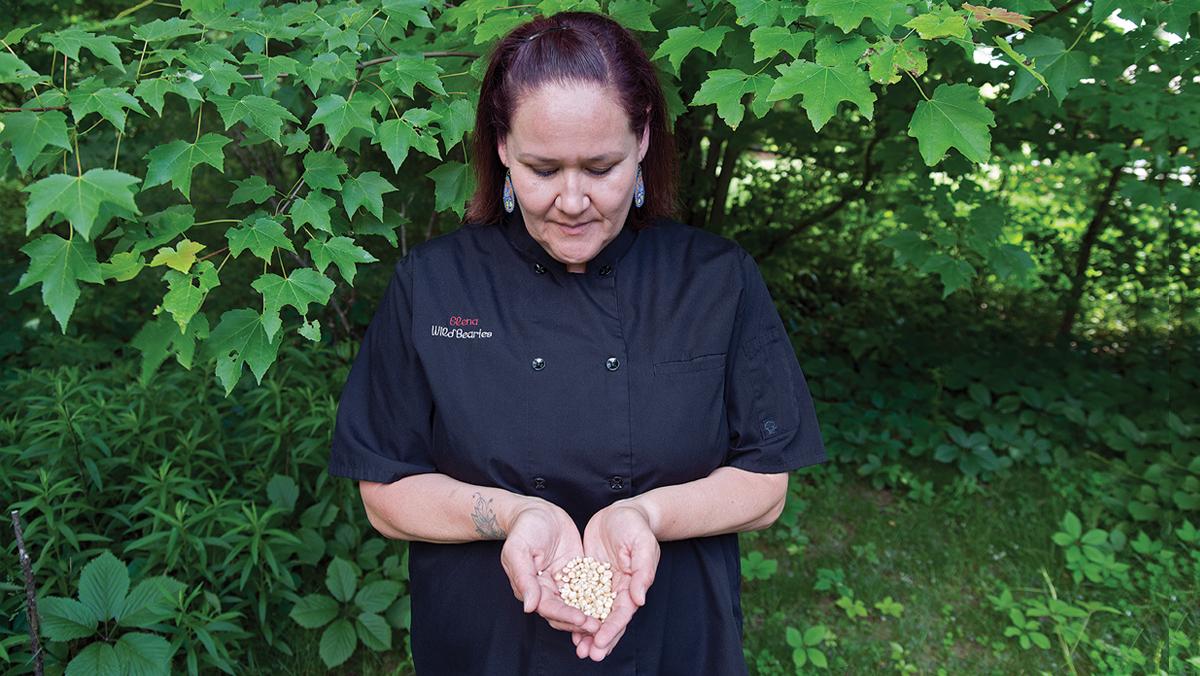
{"points": [[510, 202], [639, 189]]}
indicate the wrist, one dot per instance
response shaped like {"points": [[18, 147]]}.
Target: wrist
{"points": [[514, 507], [646, 506]]}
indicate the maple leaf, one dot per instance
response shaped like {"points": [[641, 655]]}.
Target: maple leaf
{"points": [[302, 287], [366, 189], [342, 252], [79, 198], [312, 209], [823, 87], [176, 160], [30, 133], [770, 40], [954, 118], [261, 238], [848, 14], [240, 338], [186, 292], [408, 70], [59, 265], [942, 22], [726, 87], [999, 14], [180, 257], [339, 116], [453, 182], [258, 112], [681, 41]]}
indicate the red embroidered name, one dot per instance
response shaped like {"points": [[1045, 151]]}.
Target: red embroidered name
{"points": [[463, 321]]}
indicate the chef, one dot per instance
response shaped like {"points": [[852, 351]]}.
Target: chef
{"points": [[574, 373]]}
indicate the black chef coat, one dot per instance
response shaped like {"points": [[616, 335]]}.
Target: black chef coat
{"points": [[488, 362]]}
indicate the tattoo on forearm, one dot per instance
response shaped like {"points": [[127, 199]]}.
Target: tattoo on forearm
{"points": [[485, 519]]}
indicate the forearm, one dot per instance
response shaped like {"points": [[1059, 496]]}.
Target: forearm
{"points": [[436, 508], [729, 500]]}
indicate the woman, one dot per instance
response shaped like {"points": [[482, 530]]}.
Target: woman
{"points": [[572, 373]]}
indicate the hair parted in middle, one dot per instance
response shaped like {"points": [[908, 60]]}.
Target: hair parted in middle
{"points": [[572, 47]]}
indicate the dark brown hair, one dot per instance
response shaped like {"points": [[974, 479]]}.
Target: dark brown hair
{"points": [[565, 48]]}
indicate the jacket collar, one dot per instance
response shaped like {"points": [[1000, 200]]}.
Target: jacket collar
{"points": [[516, 232]]}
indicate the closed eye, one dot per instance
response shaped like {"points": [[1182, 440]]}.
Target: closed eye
{"points": [[595, 172]]}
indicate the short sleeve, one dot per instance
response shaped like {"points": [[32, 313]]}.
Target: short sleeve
{"points": [[383, 427], [772, 422]]}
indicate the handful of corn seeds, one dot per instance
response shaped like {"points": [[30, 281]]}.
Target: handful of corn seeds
{"points": [[586, 584]]}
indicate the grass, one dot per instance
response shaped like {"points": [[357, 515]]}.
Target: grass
{"points": [[940, 561]]}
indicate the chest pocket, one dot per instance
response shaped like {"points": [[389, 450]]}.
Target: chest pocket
{"points": [[706, 362]]}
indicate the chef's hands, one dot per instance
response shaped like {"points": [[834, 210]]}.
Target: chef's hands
{"points": [[621, 535], [542, 537]]}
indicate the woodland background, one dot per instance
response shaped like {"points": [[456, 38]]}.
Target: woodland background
{"points": [[979, 222]]}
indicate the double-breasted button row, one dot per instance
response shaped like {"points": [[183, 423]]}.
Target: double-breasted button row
{"points": [[605, 270], [538, 268], [616, 483], [539, 483], [612, 363]]}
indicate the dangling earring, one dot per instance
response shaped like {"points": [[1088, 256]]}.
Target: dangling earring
{"points": [[510, 202], [639, 189]]}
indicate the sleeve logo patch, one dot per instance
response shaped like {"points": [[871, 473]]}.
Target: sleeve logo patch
{"points": [[460, 327]]}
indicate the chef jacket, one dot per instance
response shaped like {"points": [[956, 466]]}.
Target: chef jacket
{"points": [[489, 362]]}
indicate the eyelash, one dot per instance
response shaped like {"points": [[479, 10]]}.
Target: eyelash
{"points": [[548, 174]]}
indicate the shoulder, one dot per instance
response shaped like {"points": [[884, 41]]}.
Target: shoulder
{"points": [[690, 246], [454, 244]]}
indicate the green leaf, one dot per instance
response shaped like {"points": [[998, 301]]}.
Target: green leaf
{"points": [[302, 287], [312, 209], [395, 137], [454, 183], [154, 91], [377, 596], [91, 96], [59, 264], [823, 88], [341, 251], [405, 12], [175, 161], [97, 659], [123, 266], [341, 579], [103, 585], [681, 41], [311, 330], [17, 34], [756, 12], [70, 40], [240, 338], [368, 188], [374, 632], [151, 601], [406, 71], [186, 292], [942, 22], [261, 238], [254, 189], [180, 257], [314, 611], [955, 274], [817, 658], [1072, 525], [770, 40], [954, 117], [29, 133], [15, 71], [888, 58], [160, 337], [814, 635], [78, 198], [165, 31], [1061, 68], [143, 654], [633, 14], [65, 619], [327, 67], [322, 169], [848, 14], [454, 119], [337, 643], [283, 492], [1019, 60], [726, 88], [261, 113]]}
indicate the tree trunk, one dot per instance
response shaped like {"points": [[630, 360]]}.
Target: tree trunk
{"points": [[1079, 278], [729, 158]]}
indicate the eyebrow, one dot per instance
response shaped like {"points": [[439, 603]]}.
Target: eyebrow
{"points": [[527, 157]]}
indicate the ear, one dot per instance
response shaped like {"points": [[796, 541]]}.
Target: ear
{"points": [[502, 149], [644, 143]]}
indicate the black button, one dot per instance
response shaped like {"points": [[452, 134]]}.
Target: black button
{"points": [[605, 270], [539, 483], [539, 268], [616, 483], [538, 363], [612, 364]]}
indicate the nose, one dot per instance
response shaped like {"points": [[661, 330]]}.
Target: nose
{"points": [[573, 198]]}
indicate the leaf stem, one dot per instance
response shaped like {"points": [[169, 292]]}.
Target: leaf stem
{"points": [[218, 220], [199, 117], [145, 44], [117, 153], [910, 75]]}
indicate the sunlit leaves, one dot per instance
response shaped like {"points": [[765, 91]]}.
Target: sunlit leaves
{"points": [[769, 41], [176, 160], [1061, 67], [59, 265], [888, 58], [79, 198], [848, 14], [954, 118], [942, 22], [180, 257], [823, 87], [186, 292], [681, 41], [998, 14]]}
